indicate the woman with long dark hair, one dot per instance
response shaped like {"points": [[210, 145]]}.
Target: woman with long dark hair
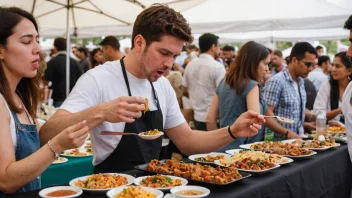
{"points": [[330, 93], [240, 91], [21, 158]]}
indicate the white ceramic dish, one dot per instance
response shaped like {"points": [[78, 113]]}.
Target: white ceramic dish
{"points": [[61, 160], [217, 162], [130, 180], [193, 157], [205, 191], [260, 171], [43, 193], [82, 150], [138, 181], [113, 192], [233, 151]]}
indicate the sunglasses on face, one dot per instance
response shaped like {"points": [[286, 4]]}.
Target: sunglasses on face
{"points": [[308, 64]]}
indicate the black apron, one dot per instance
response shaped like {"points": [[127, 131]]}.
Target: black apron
{"points": [[133, 150]]}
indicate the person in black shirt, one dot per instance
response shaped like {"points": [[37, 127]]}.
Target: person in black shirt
{"points": [[82, 54], [56, 72]]}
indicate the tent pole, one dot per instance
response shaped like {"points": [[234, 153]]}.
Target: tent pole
{"points": [[67, 49]]}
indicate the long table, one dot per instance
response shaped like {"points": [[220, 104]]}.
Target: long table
{"points": [[59, 174], [327, 174]]}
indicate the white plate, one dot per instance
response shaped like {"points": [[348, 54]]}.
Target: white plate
{"points": [[44, 192], [314, 149], [301, 156], [248, 146], [233, 151], [82, 150], [64, 159], [260, 171], [217, 162], [150, 137], [205, 191], [192, 157], [138, 181], [130, 180], [113, 192]]}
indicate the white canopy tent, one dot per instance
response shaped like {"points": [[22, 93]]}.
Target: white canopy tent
{"points": [[237, 16], [66, 17]]}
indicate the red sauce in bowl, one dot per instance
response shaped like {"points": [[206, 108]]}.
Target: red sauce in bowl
{"points": [[61, 193]]}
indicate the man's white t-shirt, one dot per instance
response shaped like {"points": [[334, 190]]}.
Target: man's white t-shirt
{"points": [[105, 83], [201, 77]]}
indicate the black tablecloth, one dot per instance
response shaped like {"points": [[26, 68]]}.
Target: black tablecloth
{"points": [[327, 174]]}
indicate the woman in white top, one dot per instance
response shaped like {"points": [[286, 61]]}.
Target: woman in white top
{"points": [[330, 93], [21, 158]]}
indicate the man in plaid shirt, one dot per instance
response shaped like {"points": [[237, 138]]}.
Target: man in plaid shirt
{"points": [[285, 93]]}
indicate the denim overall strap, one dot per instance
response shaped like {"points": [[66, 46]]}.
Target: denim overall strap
{"points": [[27, 143]]}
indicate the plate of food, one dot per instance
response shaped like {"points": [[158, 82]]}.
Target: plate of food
{"points": [[209, 157], [282, 148], [134, 191], [81, 152], [315, 145], [190, 191], [102, 182], [336, 129], [254, 155], [61, 191], [194, 172], [233, 151], [151, 134], [60, 160], [255, 166], [161, 182]]}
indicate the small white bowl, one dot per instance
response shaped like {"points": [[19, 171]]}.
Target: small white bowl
{"points": [[44, 192], [205, 191], [113, 192]]}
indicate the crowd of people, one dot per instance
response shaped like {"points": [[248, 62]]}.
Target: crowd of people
{"points": [[229, 94]]}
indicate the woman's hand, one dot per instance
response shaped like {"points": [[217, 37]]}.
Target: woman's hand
{"points": [[72, 137]]}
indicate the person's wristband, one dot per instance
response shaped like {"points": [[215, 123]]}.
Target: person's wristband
{"points": [[229, 130], [56, 155]]}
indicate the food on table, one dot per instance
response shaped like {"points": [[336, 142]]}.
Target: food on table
{"points": [[189, 192], [146, 105], [195, 171], [75, 152], [60, 159], [281, 148], [209, 158], [102, 181], [160, 181], [315, 143], [88, 145], [135, 192], [61, 193], [151, 132], [336, 129], [89, 150], [250, 164], [254, 155]]}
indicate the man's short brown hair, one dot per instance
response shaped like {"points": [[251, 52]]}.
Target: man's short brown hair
{"points": [[159, 20], [278, 53]]}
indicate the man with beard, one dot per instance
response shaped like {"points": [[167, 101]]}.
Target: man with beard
{"points": [[201, 78], [112, 97]]}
